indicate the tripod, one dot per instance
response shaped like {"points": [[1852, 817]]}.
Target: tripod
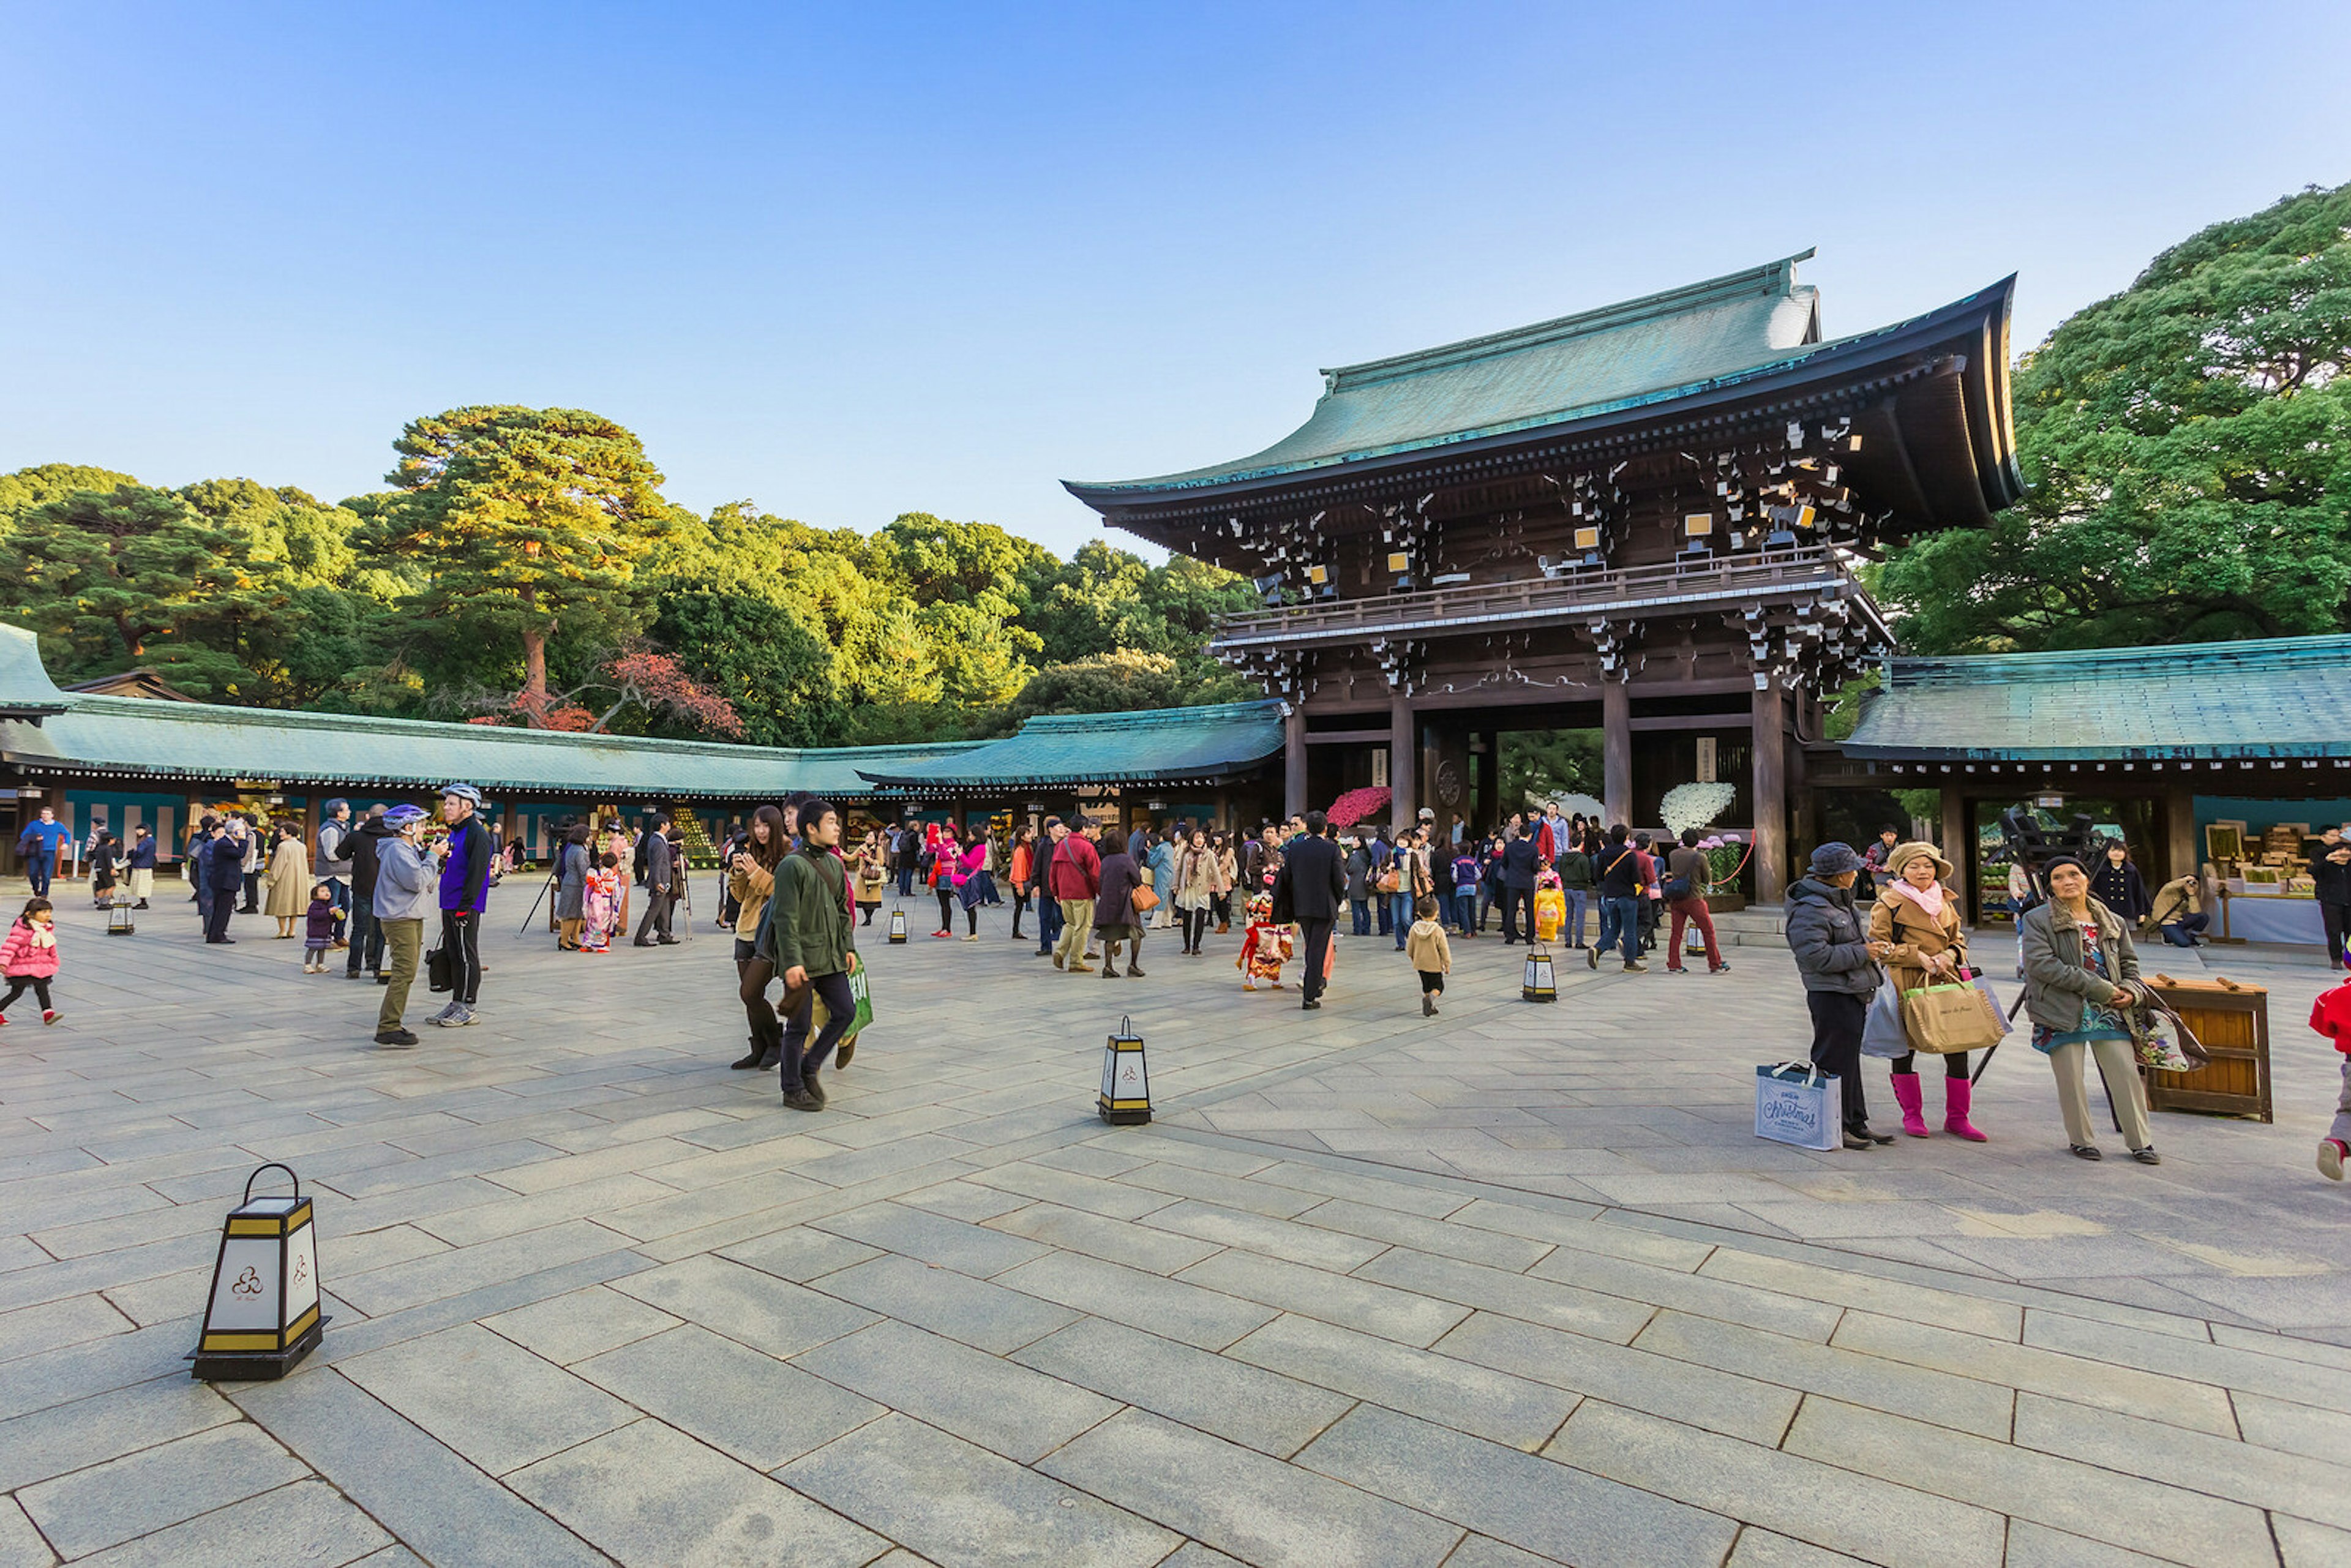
{"points": [[552, 878]]}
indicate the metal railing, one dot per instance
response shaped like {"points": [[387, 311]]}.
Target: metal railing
{"points": [[1570, 594]]}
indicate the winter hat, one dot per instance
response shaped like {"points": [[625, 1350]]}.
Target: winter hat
{"points": [[1903, 854], [1832, 857]]}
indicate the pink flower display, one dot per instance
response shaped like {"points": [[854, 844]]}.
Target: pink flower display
{"points": [[1357, 804]]}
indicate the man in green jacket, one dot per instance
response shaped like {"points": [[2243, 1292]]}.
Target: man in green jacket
{"points": [[808, 936]]}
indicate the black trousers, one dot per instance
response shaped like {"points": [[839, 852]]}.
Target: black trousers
{"points": [[1838, 1021], [1318, 953], [1518, 914], [833, 991], [460, 931], [16, 984], [2336, 919], [223, 905], [1955, 1062]]}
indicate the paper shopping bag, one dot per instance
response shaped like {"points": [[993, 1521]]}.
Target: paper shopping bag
{"points": [[1796, 1102]]}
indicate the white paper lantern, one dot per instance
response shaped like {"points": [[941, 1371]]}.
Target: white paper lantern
{"points": [[1127, 1083]]}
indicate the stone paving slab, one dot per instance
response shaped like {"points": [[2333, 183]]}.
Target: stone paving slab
{"points": [[1509, 1287]]}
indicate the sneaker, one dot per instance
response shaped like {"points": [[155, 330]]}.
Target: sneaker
{"points": [[458, 1016], [51, 1016], [1592, 954], [1634, 967], [444, 1015], [3, 1021], [394, 1038], [802, 1099], [2330, 1158], [1080, 968], [2147, 1157], [974, 937], [1428, 1004]]}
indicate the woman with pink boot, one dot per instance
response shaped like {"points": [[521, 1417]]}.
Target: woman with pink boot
{"points": [[1921, 918]]}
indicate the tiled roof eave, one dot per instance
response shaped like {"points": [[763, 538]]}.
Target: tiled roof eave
{"points": [[1879, 351], [2255, 751]]}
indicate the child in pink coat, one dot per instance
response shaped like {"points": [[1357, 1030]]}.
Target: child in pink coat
{"points": [[28, 956]]}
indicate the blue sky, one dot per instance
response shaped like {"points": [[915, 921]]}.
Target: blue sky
{"points": [[851, 261]]}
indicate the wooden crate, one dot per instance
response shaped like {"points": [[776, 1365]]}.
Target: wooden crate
{"points": [[2232, 1021]]}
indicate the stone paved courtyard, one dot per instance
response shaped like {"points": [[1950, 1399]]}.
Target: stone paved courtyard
{"points": [[1509, 1286]]}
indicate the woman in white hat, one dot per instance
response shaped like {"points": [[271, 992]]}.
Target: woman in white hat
{"points": [[1920, 918]]}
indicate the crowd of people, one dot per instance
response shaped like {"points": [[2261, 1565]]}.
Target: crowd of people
{"points": [[1863, 927]]}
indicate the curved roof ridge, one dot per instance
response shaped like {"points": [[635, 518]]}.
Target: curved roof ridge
{"points": [[1773, 278], [1142, 718]]}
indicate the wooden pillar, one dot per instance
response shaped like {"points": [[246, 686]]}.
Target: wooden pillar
{"points": [[1404, 762], [1617, 752], [2182, 854], [1487, 772], [1771, 739], [1293, 762], [1958, 847]]}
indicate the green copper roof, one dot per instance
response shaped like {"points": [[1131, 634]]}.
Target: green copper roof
{"points": [[138, 736], [1160, 746], [2282, 698], [1641, 351]]}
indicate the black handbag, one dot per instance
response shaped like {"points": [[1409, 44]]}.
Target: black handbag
{"points": [[437, 976]]}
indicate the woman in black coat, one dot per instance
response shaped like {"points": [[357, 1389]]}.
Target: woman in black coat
{"points": [[2117, 884]]}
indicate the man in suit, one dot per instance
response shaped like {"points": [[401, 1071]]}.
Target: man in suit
{"points": [[660, 872], [1314, 876], [1519, 854]]}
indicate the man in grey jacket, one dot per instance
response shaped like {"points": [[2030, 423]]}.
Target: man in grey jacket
{"points": [[661, 875], [1830, 940], [407, 889]]}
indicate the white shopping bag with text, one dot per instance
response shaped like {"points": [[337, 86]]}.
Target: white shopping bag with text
{"points": [[1796, 1102]]}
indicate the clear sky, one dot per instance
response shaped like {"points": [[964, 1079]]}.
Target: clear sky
{"points": [[848, 261]]}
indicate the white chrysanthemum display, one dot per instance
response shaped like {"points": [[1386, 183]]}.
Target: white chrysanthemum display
{"points": [[1696, 805]]}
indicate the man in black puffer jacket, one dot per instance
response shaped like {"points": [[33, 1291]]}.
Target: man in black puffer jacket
{"points": [[367, 937], [1830, 940]]}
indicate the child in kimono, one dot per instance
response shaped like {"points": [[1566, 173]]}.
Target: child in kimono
{"points": [[1550, 907], [1265, 948], [599, 902]]}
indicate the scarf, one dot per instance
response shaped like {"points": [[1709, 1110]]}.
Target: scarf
{"points": [[43, 935], [1928, 898]]}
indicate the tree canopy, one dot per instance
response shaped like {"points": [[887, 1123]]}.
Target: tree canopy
{"points": [[524, 568], [2184, 446]]}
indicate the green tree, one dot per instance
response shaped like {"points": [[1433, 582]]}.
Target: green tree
{"points": [[2187, 446], [531, 523], [29, 487], [128, 577], [1115, 682], [757, 654]]}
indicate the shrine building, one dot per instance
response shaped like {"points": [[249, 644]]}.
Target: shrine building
{"points": [[1645, 519]]}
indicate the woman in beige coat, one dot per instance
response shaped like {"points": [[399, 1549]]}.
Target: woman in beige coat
{"points": [[288, 876], [1920, 918]]}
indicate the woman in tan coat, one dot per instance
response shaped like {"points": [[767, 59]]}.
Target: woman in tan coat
{"points": [[751, 878], [288, 876], [1921, 918]]}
